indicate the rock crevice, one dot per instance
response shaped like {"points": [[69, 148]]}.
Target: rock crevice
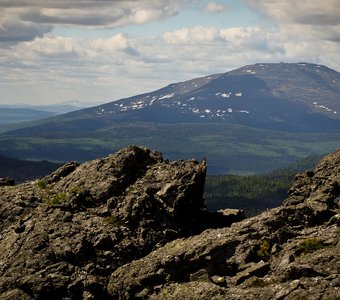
{"points": [[62, 236], [290, 252], [133, 225]]}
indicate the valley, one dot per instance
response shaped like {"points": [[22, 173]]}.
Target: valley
{"points": [[229, 148]]}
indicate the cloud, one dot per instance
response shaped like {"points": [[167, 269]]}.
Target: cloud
{"points": [[195, 35], [63, 68], [38, 65], [14, 30], [238, 39], [117, 42], [311, 18], [188, 52], [23, 20], [90, 13], [215, 7], [58, 68], [310, 12]]}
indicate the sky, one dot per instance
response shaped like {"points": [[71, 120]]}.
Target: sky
{"points": [[98, 51]]}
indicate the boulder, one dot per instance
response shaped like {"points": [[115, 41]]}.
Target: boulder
{"points": [[63, 236], [289, 252]]}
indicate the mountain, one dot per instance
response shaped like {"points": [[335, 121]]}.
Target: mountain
{"points": [[133, 226], [289, 97], [61, 107], [251, 120], [294, 97], [15, 113], [12, 115]]}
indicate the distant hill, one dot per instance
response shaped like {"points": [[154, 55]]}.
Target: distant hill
{"points": [[12, 115], [17, 113], [251, 120], [22, 170]]}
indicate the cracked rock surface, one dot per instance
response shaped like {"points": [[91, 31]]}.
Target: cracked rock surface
{"points": [[133, 226], [61, 237], [290, 252]]}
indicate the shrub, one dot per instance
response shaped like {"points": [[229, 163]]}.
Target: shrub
{"points": [[264, 251], [41, 184], [57, 199], [309, 245]]}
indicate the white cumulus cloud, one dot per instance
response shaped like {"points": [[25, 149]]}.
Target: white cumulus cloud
{"points": [[308, 18], [215, 7], [23, 20], [38, 64]]}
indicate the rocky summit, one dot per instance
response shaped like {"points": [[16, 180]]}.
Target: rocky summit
{"points": [[134, 226], [62, 237]]}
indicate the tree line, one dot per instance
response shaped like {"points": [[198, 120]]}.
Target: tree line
{"points": [[254, 193]]}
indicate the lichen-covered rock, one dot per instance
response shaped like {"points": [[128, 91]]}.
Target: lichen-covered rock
{"points": [[62, 236], [132, 225], [290, 252]]}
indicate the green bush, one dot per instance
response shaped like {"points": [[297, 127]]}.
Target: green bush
{"points": [[264, 251], [57, 199], [309, 245], [42, 184]]}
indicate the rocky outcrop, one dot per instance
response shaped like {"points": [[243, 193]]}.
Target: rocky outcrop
{"points": [[290, 252], [61, 237], [132, 225]]}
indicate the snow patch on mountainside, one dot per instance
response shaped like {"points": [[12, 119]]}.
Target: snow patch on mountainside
{"points": [[188, 106], [225, 95], [323, 107], [249, 71], [167, 96], [228, 94], [224, 98]]}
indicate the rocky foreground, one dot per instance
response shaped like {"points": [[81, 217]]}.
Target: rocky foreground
{"points": [[133, 225]]}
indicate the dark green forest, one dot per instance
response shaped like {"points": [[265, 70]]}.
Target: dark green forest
{"points": [[23, 170], [229, 148], [254, 193]]}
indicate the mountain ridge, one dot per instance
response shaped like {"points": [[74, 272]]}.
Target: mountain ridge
{"points": [[13, 115], [216, 97], [236, 95], [236, 119]]}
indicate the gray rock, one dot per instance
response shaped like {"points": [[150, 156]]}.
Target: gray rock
{"points": [[259, 269], [219, 280], [284, 253], [62, 236], [200, 275], [132, 225]]}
